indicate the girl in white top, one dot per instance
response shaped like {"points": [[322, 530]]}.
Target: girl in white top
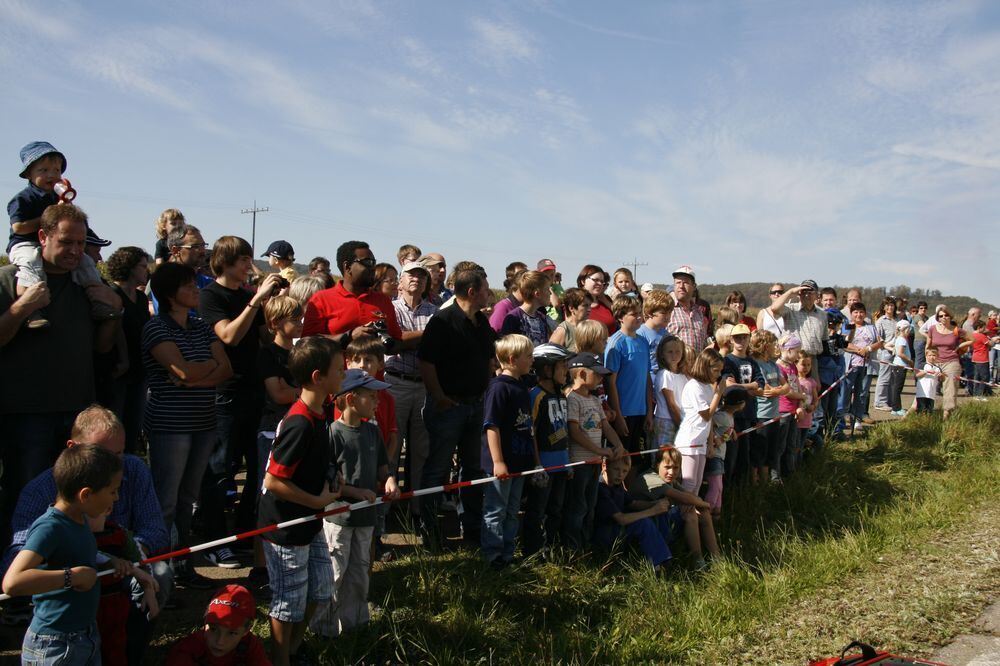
{"points": [[766, 320], [699, 402], [667, 387], [927, 384]]}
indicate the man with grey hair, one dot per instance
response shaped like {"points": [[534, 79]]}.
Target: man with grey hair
{"points": [[187, 247]]}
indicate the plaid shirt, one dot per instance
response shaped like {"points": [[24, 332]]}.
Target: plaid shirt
{"points": [[406, 362], [691, 326], [137, 508]]}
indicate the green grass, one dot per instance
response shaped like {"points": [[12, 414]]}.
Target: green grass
{"points": [[874, 497]]}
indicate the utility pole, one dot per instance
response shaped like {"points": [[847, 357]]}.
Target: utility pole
{"points": [[635, 263], [253, 229]]}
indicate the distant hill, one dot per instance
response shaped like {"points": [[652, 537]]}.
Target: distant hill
{"points": [[756, 295]]}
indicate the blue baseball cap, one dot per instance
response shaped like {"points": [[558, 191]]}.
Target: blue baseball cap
{"points": [[35, 151], [280, 249], [356, 379]]}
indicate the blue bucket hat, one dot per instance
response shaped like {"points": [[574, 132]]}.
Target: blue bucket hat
{"points": [[35, 151]]}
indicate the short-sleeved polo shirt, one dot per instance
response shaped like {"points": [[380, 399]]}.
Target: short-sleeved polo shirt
{"points": [[460, 350], [335, 311]]}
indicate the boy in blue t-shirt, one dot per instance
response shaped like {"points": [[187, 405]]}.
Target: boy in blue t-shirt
{"points": [[656, 308], [630, 393], [508, 447], [545, 493], [58, 563]]}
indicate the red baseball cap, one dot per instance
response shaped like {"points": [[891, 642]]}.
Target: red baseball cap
{"points": [[546, 265], [232, 607]]}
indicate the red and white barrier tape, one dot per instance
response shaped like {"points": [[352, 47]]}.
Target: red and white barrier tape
{"points": [[938, 373], [788, 414], [344, 508]]}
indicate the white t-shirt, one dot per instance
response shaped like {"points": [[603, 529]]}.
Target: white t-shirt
{"points": [[927, 385], [674, 381], [692, 436]]}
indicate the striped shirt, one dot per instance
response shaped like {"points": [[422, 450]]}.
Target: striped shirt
{"points": [[173, 408], [415, 319]]}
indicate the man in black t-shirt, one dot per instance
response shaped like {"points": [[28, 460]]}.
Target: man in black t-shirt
{"points": [[234, 313], [48, 374], [456, 362]]}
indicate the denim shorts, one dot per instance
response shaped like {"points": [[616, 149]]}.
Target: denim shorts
{"points": [[715, 466], [66, 649], [298, 575]]}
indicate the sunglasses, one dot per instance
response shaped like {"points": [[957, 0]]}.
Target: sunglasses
{"points": [[776, 292], [367, 262]]}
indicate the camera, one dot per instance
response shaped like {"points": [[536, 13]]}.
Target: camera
{"points": [[382, 331]]}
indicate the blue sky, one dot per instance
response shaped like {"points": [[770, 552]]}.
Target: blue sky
{"points": [[849, 142]]}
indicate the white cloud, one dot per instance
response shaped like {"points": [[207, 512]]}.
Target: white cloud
{"points": [[503, 43]]}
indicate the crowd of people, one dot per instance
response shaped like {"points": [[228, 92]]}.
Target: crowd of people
{"points": [[133, 400]]}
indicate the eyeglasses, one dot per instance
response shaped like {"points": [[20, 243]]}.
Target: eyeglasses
{"points": [[597, 280], [194, 246], [776, 292], [367, 262]]}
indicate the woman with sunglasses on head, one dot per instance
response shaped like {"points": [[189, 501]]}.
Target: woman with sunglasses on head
{"points": [[594, 281], [766, 320]]}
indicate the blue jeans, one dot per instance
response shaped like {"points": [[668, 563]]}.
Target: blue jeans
{"points": [[237, 415], [919, 354], [178, 461], [581, 498], [653, 536], [31, 443], [981, 372], [458, 429], [501, 503], [853, 396], [69, 649]]}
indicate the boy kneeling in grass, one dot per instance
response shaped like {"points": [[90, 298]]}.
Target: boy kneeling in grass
{"points": [[58, 563], [620, 516], [226, 638]]}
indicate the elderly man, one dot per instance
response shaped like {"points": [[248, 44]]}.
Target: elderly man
{"points": [[804, 318], [456, 362], [48, 373], [187, 247], [688, 319], [402, 370], [438, 268], [136, 509], [969, 326]]}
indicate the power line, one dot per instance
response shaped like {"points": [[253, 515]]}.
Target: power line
{"points": [[253, 228], [635, 263]]}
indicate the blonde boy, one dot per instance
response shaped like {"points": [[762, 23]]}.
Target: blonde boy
{"points": [[509, 447], [656, 308]]}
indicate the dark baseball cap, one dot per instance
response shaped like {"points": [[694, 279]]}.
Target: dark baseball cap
{"points": [[280, 250], [810, 284], [734, 395], [589, 361], [94, 239]]}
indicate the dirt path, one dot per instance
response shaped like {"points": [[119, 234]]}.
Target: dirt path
{"points": [[911, 603]]}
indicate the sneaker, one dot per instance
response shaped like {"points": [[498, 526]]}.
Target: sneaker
{"points": [[190, 579], [868, 420], [223, 558], [35, 321], [899, 412], [883, 408]]}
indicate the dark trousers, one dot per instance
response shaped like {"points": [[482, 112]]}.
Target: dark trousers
{"points": [[897, 375], [128, 400], [237, 416], [455, 430], [543, 508], [31, 444], [980, 372], [737, 452]]}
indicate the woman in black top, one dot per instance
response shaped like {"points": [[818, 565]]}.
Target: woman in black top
{"points": [[128, 270]]}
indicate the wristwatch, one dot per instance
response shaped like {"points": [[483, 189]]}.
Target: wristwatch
{"points": [[67, 578]]}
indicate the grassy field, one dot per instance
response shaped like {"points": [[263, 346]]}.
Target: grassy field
{"points": [[873, 501]]}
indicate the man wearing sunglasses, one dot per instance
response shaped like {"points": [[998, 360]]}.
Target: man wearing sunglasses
{"points": [[351, 307]]}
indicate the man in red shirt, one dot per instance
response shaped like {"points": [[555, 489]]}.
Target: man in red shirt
{"points": [[351, 308]]}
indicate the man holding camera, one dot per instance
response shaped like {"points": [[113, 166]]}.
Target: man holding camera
{"points": [[351, 307]]}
